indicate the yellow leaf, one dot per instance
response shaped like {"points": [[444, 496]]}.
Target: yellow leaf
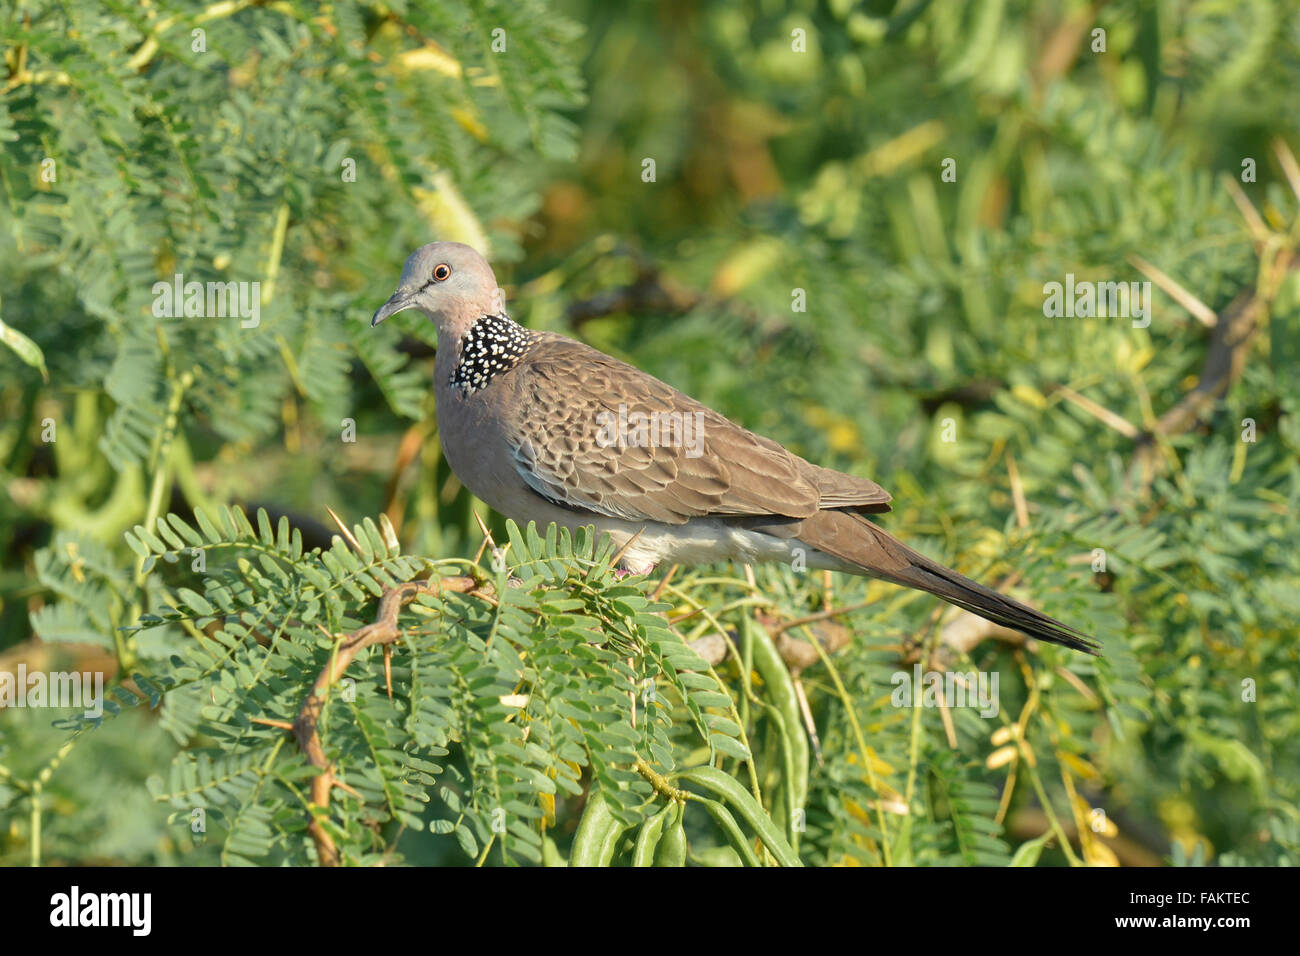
{"points": [[878, 766], [470, 123], [841, 431], [1141, 358], [1176, 813], [449, 215], [744, 264], [1028, 753], [1078, 765], [430, 58], [1096, 853], [1029, 396]]}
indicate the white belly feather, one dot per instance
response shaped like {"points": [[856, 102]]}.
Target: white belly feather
{"points": [[708, 542]]}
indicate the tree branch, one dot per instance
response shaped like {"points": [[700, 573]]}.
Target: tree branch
{"points": [[383, 630]]}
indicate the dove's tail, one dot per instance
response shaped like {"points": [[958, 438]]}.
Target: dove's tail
{"points": [[853, 539]]}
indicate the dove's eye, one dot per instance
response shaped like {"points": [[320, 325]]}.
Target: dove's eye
{"points": [[441, 271]]}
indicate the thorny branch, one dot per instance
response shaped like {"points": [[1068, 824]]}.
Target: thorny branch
{"points": [[1231, 337], [383, 630]]}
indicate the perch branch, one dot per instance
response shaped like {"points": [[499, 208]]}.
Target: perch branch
{"points": [[306, 726], [1231, 333]]}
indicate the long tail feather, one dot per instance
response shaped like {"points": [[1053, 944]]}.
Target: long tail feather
{"points": [[856, 541]]}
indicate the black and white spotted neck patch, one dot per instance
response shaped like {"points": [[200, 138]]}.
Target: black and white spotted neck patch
{"points": [[494, 344]]}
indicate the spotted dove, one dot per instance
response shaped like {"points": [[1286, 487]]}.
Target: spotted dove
{"points": [[544, 428]]}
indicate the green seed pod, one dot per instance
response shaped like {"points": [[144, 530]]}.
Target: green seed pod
{"points": [[644, 852], [598, 832], [672, 845]]}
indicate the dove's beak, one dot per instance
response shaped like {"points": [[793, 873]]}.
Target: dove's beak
{"points": [[400, 302]]}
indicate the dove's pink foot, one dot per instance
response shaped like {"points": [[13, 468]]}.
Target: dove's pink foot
{"points": [[621, 573]]}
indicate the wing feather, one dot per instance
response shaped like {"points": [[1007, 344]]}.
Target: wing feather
{"points": [[568, 446]]}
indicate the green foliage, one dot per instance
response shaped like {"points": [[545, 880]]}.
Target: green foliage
{"points": [[579, 647]]}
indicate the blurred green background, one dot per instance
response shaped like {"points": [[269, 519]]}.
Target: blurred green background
{"points": [[795, 146]]}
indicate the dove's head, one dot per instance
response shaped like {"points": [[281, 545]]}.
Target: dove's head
{"points": [[450, 283]]}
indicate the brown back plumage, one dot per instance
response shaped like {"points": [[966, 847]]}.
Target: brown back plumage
{"points": [[567, 396]]}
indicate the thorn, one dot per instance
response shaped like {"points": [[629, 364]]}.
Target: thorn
{"points": [[388, 669], [487, 537], [342, 527], [1289, 167], [1073, 680], [1191, 303], [631, 694], [819, 616], [1254, 222], [627, 544], [1100, 412], [808, 721], [348, 790], [674, 621], [949, 730], [279, 724], [664, 583], [1017, 491], [482, 526]]}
